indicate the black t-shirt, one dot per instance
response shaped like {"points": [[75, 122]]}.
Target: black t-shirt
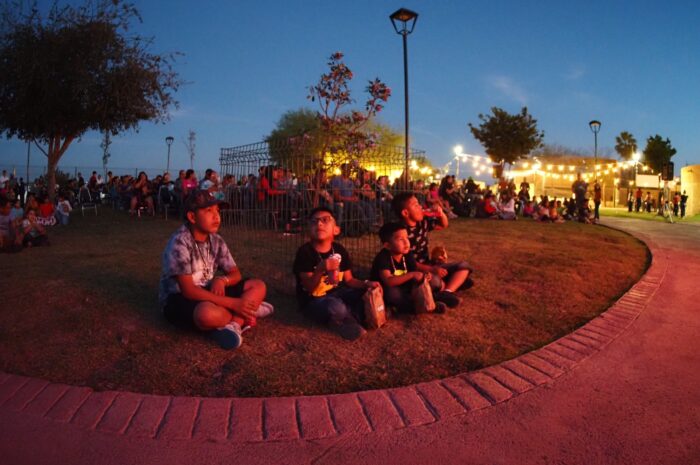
{"points": [[384, 261], [418, 237], [307, 259]]}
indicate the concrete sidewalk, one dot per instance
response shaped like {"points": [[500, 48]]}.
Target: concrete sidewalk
{"points": [[623, 389]]}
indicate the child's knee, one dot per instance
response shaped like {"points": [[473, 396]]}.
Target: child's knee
{"points": [[257, 285], [208, 316], [337, 311]]}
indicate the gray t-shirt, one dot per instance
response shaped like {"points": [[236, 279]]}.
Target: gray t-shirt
{"points": [[184, 256]]}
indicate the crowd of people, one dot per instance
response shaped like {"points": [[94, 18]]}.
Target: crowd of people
{"points": [[641, 202]]}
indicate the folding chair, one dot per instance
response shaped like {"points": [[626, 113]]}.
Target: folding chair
{"points": [[86, 201]]}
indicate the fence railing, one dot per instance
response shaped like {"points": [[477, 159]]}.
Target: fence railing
{"points": [[267, 215]]}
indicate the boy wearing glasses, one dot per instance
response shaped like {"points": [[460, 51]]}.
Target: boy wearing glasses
{"points": [[326, 289]]}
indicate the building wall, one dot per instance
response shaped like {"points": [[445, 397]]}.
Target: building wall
{"points": [[690, 183]]}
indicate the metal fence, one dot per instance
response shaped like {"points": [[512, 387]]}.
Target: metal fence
{"points": [[276, 186]]}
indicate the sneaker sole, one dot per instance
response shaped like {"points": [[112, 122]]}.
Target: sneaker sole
{"points": [[227, 339]]}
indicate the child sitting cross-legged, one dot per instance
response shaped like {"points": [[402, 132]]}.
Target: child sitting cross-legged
{"points": [[326, 289], [396, 269], [200, 286]]}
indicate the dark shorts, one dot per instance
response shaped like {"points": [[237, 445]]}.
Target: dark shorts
{"points": [[180, 311]]}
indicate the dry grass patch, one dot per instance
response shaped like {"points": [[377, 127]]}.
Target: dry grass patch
{"points": [[84, 311]]}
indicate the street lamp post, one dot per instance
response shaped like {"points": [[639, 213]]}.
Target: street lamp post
{"points": [[404, 21], [169, 140], [595, 127]]}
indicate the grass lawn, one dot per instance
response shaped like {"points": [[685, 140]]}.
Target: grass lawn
{"points": [[84, 312], [653, 216]]}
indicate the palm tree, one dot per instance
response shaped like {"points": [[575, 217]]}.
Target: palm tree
{"points": [[626, 145]]}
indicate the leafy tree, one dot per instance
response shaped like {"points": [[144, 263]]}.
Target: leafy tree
{"points": [[79, 68], [625, 145], [341, 130], [507, 138], [295, 142], [658, 152]]}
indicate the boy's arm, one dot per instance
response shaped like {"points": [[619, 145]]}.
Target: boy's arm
{"points": [[435, 269], [390, 280], [355, 283], [310, 280], [245, 308], [219, 284], [442, 217]]}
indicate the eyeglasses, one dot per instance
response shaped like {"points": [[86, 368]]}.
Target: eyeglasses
{"points": [[321, 219]]}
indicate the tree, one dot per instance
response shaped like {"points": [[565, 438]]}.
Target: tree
{"points": [[507, 138], [190, 146], [341, 129], [77, 69], [295, 138], [625, 145], [658, 152], [106, 142]]}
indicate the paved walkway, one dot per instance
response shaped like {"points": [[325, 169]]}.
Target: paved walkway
{"points": [[623, 389]]}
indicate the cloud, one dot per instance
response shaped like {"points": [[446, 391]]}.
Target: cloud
{"points": [[509, 88], [575, 73]]}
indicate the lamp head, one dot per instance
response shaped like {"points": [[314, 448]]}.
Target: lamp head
{"points": [[404, 20], [169, 140], [595, 126]]}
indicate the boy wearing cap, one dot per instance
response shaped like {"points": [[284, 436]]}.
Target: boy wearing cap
{"points": [[200, 286]]}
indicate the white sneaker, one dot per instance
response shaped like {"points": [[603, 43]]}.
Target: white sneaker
{"points": [[229, 336], [264, 310]]}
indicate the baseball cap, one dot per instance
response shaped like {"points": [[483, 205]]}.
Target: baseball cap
{"points": [[200, 198]]}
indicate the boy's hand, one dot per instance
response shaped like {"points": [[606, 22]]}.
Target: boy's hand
{"points": [[418, 275], [440, 271], [373, 285], [248, 308], [218, 287]]}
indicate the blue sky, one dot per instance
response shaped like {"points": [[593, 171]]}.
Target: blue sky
{"points": [[633, 65]]}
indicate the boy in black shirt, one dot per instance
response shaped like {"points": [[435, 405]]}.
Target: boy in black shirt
{"points": [[326, 289], [446, 278], [396, 269]]}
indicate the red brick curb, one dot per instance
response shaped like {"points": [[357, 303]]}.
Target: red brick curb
{"points": [[317, 417]]}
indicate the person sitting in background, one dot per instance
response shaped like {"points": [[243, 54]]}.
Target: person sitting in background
{"points": [[46, 213], [32, 233], [8, 228], [211, 183], [506, 207], [142, 194], [487, 207], [529, 208], [543, 210], [384, 196], [554, 216], [16, 212], [63, 209], [31, 204]]}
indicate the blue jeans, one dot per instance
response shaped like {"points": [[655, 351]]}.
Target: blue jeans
{"points": [[336, 307], [62, 219]]}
